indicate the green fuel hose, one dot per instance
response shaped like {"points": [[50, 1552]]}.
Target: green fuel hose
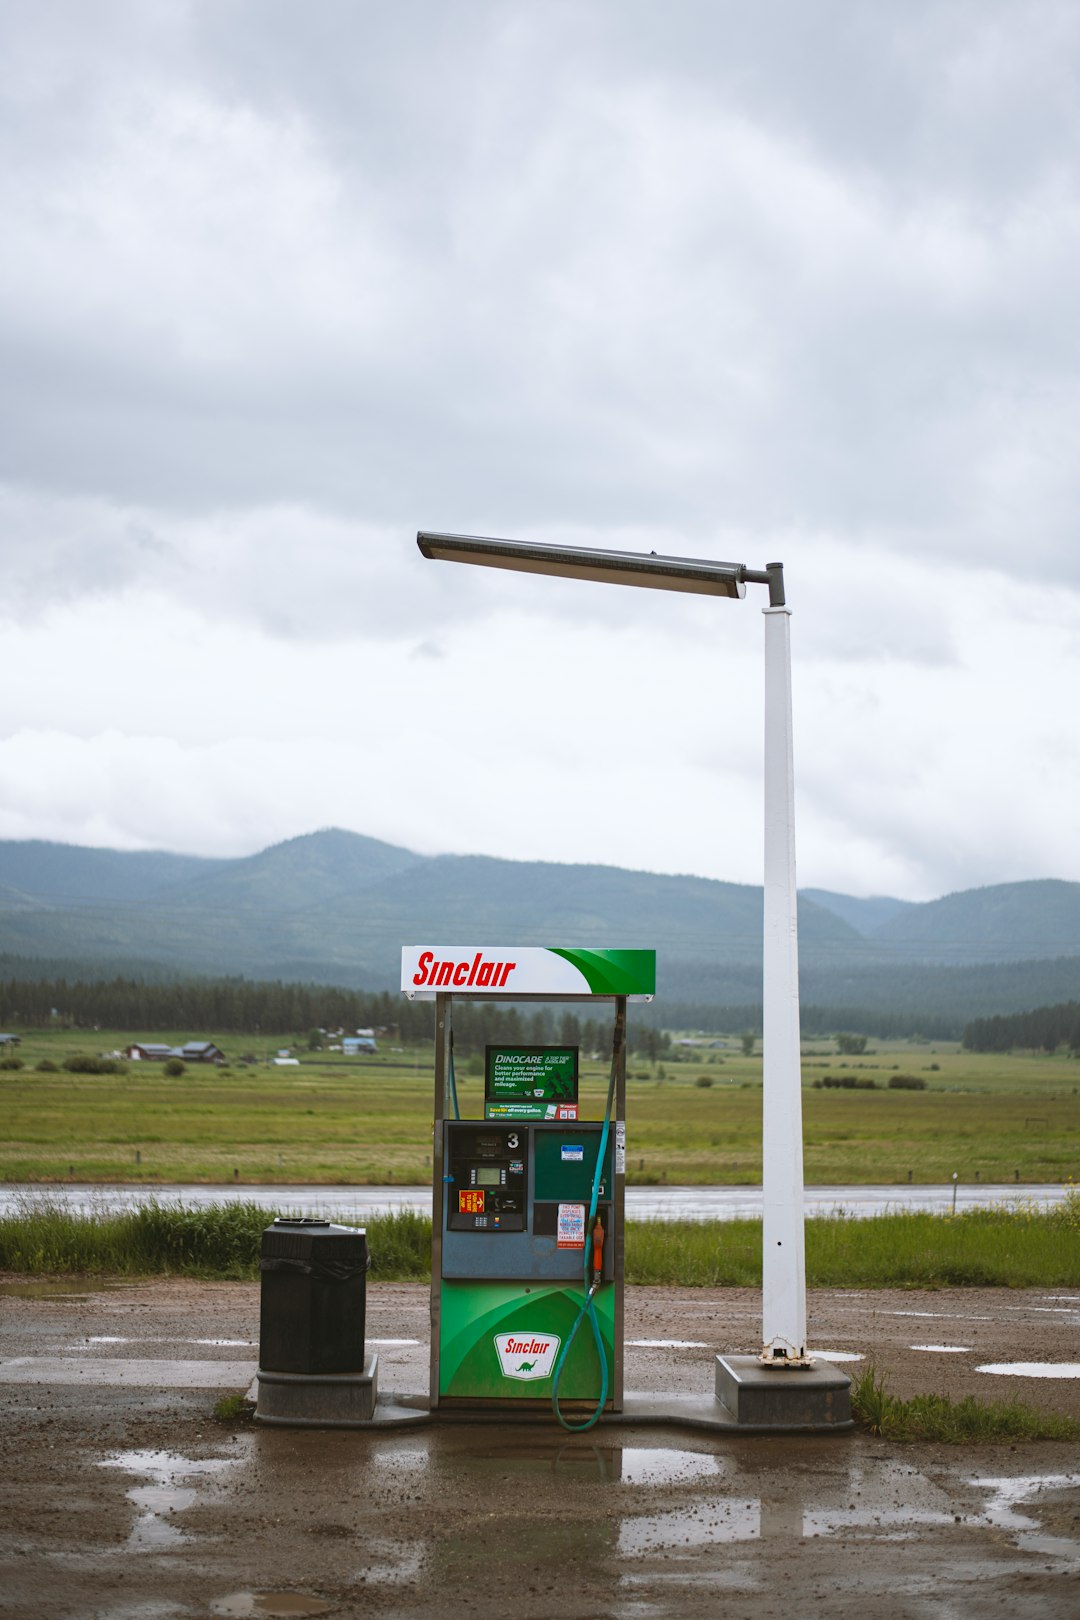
{"points": [[588, 1308]]}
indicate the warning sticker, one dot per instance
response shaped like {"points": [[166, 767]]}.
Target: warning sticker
{"points": [[571, 1227], [620, 1147]]}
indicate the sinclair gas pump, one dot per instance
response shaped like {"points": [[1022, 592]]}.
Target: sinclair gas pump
{"points": [[527, 1228]]}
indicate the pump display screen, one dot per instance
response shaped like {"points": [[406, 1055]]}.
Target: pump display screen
{"points": [[531, 1082], [486, 1177]]}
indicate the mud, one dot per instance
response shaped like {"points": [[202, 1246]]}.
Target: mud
{"points": [[125, 1500]]}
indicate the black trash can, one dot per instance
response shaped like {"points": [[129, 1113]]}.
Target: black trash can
{"points": [[314, 1295]]}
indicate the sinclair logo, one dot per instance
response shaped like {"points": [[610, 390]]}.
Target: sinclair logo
{"points": [[464, 973], [527, 1355]]}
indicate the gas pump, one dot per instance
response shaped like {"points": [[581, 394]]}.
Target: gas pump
{"points": [[527, 1211]]}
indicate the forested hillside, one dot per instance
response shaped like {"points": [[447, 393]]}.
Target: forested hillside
{"points": [[1043, 1029], [335, 908]]}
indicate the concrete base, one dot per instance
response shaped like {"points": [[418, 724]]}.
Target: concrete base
{"points": [[761, 1397], [318, 1400], [663, 1410]]}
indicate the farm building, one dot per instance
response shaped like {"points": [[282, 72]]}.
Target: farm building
{"points": [[191, 1052], [362, 1044], [200, 1052]]}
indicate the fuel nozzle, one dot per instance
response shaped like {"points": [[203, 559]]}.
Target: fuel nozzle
{"points": [[597, 1250]]}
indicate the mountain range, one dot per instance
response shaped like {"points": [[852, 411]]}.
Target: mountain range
{"points": [[336, 907]]}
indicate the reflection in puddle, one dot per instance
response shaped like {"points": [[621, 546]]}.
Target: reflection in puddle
{"points": [[892, 1503], [1001, 1510], [942, 1316], [244, 1605], [659, 1466], [735, 1519], [892, 1523], [398, 1563], [74, 1288], [668, 1344], [407, 1457], [1032, 1369], [944, 1349], [152, 1527]]}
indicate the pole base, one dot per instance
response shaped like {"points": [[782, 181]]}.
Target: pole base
{"points": [[770, 1397]]}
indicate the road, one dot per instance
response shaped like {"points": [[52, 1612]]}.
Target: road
{"points": [[642, 1203]]}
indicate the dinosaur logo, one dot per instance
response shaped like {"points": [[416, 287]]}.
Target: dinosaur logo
{"points": [[527, 1355]]}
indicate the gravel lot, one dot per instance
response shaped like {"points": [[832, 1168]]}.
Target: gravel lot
{"points": [[123, 1499]]}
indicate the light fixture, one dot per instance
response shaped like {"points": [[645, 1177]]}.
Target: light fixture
{"points": [[649, 570]]}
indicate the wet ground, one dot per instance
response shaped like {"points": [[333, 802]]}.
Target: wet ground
{"points": [[124, 1500]]}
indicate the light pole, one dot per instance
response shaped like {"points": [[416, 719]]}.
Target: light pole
{"points": [[783, 1256]]}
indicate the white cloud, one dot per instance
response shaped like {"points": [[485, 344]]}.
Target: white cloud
{"points": [[729, 283]]}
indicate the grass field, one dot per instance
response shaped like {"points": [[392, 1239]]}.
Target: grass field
{"points": [[995, 1119], [987, 1248]]}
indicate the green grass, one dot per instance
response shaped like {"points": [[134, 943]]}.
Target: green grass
{"points": [[990, 1248], [937, 1418], [213, 1240], [334, 1120], [233, 1410]]}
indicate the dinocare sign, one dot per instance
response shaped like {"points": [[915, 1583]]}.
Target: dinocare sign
{"points": [[525, 970]]}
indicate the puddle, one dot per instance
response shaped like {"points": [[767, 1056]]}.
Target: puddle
{"points": [[944, 1349], [241, 1605], [76, 1288], [669, 1344], [1002, 1511], [660, 1466], [397, 1563], [232, 1344], [163, 1496], [106, 1338], [408, 1458], [890, 1524], [943, 1316], [393, 1341], [1044, 1310], [736, 1519], [1032, 1369], [834, 1355], [127, 1374]]}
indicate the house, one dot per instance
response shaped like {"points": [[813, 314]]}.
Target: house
{"points": [[200, 1052], [191, 1052], [362, 1044]]}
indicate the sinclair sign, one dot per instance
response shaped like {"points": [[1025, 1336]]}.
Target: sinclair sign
{"points": [[525, 970]]}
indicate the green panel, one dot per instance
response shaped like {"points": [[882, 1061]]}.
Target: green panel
{"points": [[473, 1313], [614, 973], [569, 1181]]}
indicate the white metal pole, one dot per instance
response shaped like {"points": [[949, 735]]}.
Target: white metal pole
{"points": [[783, 1253]]}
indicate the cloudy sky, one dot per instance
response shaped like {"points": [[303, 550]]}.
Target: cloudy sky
{"points": [[282, 283]]}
